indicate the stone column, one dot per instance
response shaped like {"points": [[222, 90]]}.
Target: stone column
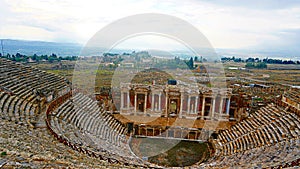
{"points": [[181, 105], [228, 106], [192, 108], [196, 104], [135, 101], [146, 130], [189, 102], [139, 130], [213, 107], [181, 132], [145, 104], [221, 106], [152, 102], [166, 105], [159, 102], [122, 100], [128, 100], [203, 107]]}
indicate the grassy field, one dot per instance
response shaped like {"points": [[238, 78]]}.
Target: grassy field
{"points": [[169, 152], [101, 76]]}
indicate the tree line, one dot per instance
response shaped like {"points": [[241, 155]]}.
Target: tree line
{"points": [[37, 58], [257, 60]]}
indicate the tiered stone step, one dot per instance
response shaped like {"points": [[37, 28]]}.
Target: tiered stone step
{"points": [[276, 125], [82, 122], [20, 79], [17, 109]]}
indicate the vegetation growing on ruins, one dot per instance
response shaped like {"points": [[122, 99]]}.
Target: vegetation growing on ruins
{"points": [[157, 152]]}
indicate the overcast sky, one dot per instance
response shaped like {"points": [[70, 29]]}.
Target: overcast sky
{"points": [[231, 24]]}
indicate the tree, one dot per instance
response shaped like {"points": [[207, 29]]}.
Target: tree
{"points": [[250, 60], [259, 65], [53, 56], [35, 57], [51, 59], [196, 59], [237, 60], [13, 57], [74, 58], [190, 63], [44, 57], [18, 55], [249, 65]]}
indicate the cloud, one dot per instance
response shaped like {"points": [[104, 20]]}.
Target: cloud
{"points": [[226, 23], [262, 4]]}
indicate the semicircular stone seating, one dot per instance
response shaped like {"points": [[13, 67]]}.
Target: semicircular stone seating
{"points": [[81, 122], [25, 91], [270, 137]]}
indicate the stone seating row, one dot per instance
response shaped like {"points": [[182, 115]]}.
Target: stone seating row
{"points": [[279, 155], [23, 79], [18, 110], [81, 122], [84, 114], [271, 131], [293, 94], [263, 116], [84, 142]]}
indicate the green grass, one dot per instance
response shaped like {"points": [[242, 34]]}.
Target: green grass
{"points": [[171, 153], [3, 153]]}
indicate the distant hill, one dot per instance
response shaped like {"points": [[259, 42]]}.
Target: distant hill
{"points": [[28, 48], [40, 47], [73, 49]]}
